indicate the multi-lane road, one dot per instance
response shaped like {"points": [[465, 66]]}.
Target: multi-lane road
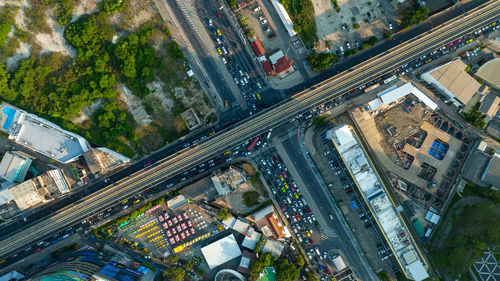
{"points": [[259, 123]]}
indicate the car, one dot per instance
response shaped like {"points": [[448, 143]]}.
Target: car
{"points": [[344, 27], [210, 23], [219, 51], [390, 26], [384, 258], [218, 32], [147, 164], [224, 50], [226, 104], [224, 60], [297, 216], [256, 9], [258, 95], [223, 39], [469, 41], [308, 233], [347, 44], [218, 40], [381, 252], [259, 86], [218, 15], [37, 250]]}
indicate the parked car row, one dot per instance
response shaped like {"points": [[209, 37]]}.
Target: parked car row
{"points": [[294, 207]]}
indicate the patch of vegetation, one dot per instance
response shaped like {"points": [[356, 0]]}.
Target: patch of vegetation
{"points": [[319, 121], [64, 11], [321, 61], [176, 274], [255, 181], [37, 17], [368, 43], [259, 244], [310, 276], [336, 6], [302, 14], [258, 264], [387, 35], [413, 15], [243, 21], [251, 198], [383, 276], [355, 25], [223, 214], [473, 231], [475, 117], [286, 270], [112, 6], [231, 4]]}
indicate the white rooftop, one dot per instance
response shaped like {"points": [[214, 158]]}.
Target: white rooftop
{"points": [[375, 195], [221, 251], [5, 196], [47, 138], [406, 89], [276, 56], [251, 240], [285, 18]]}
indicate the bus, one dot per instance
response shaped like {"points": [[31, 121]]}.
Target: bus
{"points": [[252, 144]]}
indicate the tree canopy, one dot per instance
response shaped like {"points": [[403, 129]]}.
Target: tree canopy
{"points": [[413, 15], [302, 14], [321, 61]]}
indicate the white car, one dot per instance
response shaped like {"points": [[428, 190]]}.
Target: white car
{"points": [[224, 60]]}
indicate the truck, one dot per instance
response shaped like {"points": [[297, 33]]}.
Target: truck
{"points": [[372, 87], [252, 144]]}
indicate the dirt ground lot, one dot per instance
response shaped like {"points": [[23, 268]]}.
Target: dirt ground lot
{"points": [[329, 22], [405, 123]]}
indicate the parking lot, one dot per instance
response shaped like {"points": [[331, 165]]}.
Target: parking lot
{"points": [[356, 21], [352, 205]]}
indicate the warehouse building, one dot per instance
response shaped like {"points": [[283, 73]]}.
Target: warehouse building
{"points": [[221, 251]]}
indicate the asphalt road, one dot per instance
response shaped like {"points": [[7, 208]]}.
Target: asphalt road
{"points": [[180, 161], [321, 203]]}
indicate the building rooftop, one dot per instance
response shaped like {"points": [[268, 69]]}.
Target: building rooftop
{"points": [[281, 65], [489, 72], [285, 18], [257, 47], [491, 174], [400, 92], [276, 56], [47, 138], [14, 166], [103, 160], [246, 258], [269, 223], [221, 251], [489, 105], [381, 206], [39, 189], [453, 80], [267, 67]]}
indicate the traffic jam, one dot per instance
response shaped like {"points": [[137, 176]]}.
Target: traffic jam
{"points": [[294, 207]]}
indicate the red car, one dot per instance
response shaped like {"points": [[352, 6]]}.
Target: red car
{"points": [[218, 15], [309, 210], [311, 241], [297, 216], [38, 250]]}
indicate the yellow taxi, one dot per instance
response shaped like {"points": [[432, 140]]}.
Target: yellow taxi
{"points": [[219, 51], [227, 152], [218, 32], [308, 233], [226, 104], [428, 61], [125, 201], [469, 41], [258, 96], [137, 201], [296, 195], [286, 185], [281, 178]]}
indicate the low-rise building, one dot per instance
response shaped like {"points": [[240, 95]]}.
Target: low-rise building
{"points": [[491, 174], [268, 222], [228, 180], [489, 106], [454, 81], [40, 189], [102, 160], [221, 251], [257, 47], [14, 166]]}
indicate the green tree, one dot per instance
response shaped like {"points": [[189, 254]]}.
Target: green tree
{"points": [[231, 4], [286, 271], [300, 261], [319, 121], [475, 117], [223, 214], [188, 265], [112, 6], [251, 198], [302, 14], [310, 276], [175, 273], [387, 35], [173, 258], [413, 15], [321, 61], [261, 262]]}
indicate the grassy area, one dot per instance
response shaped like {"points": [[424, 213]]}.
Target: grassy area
{"points": [[473, 230], [251, 198], [255, 181]]}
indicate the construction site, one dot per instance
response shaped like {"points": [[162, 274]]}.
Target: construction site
{"points": [[421, 150]]}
